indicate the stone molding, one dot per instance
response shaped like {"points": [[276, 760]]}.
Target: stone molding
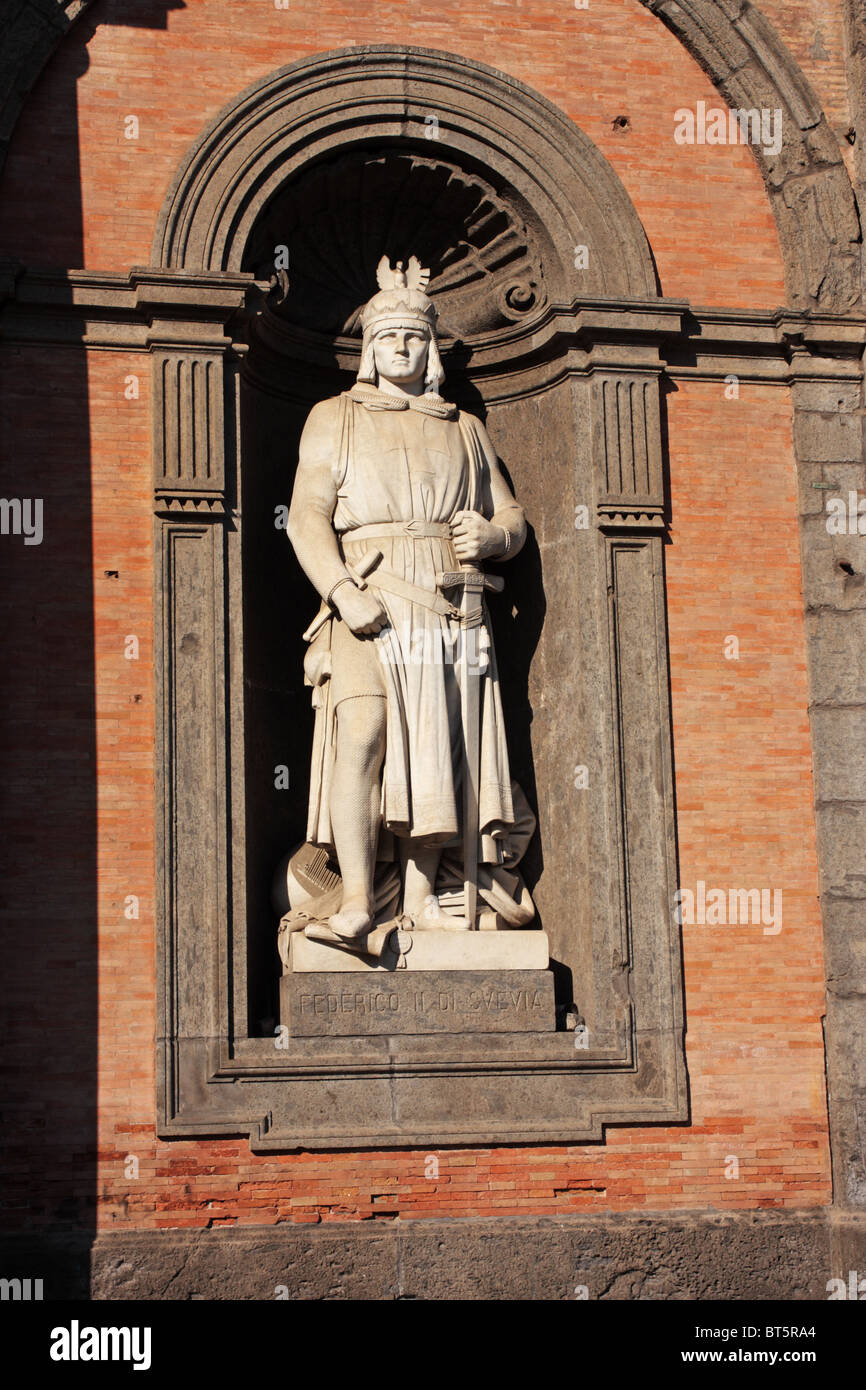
{"points": [[489, 276], [627, 440], [121, 312], [565, 189]]}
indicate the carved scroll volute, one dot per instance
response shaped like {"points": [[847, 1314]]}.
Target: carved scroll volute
{"points": [[627, 451]]}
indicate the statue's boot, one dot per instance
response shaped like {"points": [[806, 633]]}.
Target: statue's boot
{"points": [[432, 918], [375, 943], [351, 923]]}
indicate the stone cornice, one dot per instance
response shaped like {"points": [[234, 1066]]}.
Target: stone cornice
{"points": [[149, 307]]}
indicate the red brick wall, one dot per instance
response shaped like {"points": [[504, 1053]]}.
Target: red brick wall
{"points": [[741, 739], [704, 208]]}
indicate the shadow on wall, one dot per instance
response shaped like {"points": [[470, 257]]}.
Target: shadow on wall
{"points": [[134, 14], [49, 775]]}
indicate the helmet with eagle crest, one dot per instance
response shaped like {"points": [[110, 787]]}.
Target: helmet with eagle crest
{"points": [[401, 303]]}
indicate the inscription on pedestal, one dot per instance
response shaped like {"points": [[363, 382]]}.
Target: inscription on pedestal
{"points": [[337, 1005]]}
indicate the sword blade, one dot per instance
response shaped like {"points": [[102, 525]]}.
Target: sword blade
{"points": [[470, 710]]}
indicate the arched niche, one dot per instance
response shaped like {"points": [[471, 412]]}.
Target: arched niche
{"points": [[559, 351], [381, 93]]}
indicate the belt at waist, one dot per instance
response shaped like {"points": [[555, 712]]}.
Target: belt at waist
{"points": [[410, 530]]}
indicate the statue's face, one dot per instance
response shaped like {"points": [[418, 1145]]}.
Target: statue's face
{"points": [[400, 355]]}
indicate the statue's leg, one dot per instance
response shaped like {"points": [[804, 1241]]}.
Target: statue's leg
{"points": [[354, 807], [420, 864]]}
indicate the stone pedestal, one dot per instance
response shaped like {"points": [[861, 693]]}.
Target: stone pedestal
{"points": [[430, 950], [380, 1002]]}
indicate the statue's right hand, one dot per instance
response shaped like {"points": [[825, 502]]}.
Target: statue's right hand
{"points": [[361, 610]]}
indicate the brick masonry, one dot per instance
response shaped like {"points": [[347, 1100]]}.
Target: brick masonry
{"points": [[81, 759]]}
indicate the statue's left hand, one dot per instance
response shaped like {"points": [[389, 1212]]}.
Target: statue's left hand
{"points": [[474, 537]]}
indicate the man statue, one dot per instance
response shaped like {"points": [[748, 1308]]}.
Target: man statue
{"points": [[395, 488]]}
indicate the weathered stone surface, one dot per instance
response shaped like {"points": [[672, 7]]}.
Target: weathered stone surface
{"points": [[706, 1256], [856, 70], [849, 1126], [845, 1032], [848, 1246], [827, 396], [332, 1005], [433, 950], [838, 652], [843, 870], [828, 435], [834, 567], [845, 958], [839, 746]]}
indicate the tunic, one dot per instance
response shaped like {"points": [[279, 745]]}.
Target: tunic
{"points": [[403, 459]]}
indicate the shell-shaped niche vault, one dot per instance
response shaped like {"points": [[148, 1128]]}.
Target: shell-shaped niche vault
{"points": [[337, 218]]}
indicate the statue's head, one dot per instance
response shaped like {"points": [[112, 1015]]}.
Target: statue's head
{"points": [[399, 325]]}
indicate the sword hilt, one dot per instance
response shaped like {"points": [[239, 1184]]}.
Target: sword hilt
{"points": [[475, 581]]}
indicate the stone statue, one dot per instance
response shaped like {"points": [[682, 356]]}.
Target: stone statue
{"points": [[398, 498]]}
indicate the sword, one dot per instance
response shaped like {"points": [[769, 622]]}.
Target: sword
{"points": [[471, 583]]}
